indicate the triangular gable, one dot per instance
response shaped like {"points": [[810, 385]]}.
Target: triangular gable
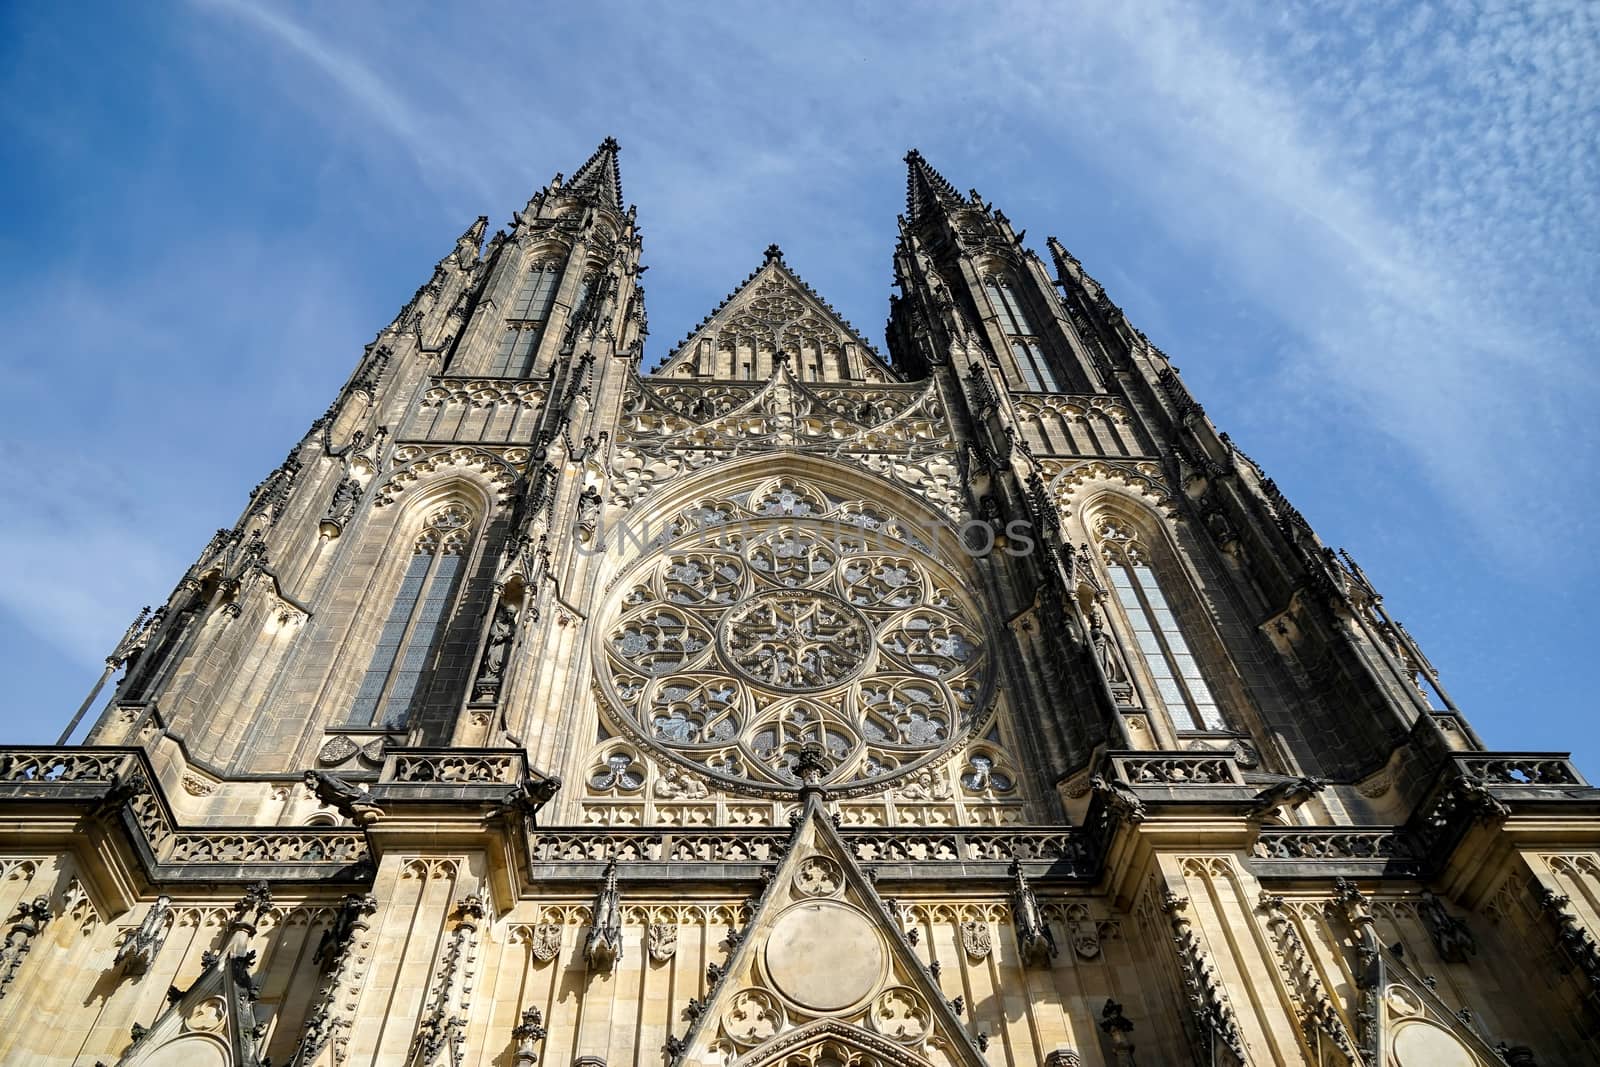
{"points": [[823, 962], [775, 315], [1413, 1024], [213, 1021]]}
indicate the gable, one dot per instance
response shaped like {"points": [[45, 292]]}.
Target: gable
{"points": [[773, 318], [823, 965]]}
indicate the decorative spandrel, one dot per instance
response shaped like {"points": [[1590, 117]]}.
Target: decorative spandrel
{"points": [[782, 617]]}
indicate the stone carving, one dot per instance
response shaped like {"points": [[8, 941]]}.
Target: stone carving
{"points": [[443, 1026], [1117, 1028], [975, 940], [797, 642], [341, 506], [341, 953], [818, 876], [675, 783], [1333, 843], [1083, 931], [30, 919], [927, 785], [588, 520], [661, 941], [1035, 943], [1520, 770], [491, 670], [1213, 1014], [603, 947], [1121, 802], [1467, 799], [58, 765], [1180, 769], [455, 766], [529, 795], [1357, 910], [780, 617], [529, 1031], [546, 942], [352, 801], [901, 1013], [1286, 795], [1063, 1057], [1450, 934], [140, 946], [752, 1016], [1316, 1008]]}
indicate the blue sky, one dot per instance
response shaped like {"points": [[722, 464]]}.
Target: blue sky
{"points": [[1367, 238]]}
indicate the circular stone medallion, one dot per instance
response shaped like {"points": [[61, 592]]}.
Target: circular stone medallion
{"points": [[798, 641], [1421, 1044], [824, 956]]}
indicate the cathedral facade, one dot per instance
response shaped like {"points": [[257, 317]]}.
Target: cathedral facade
{"points": [[794, 704]]}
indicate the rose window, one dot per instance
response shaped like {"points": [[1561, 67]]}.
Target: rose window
{"points": [[782, 618]]}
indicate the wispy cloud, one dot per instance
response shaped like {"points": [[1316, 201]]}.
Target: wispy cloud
{"points": [[1399, 204]]}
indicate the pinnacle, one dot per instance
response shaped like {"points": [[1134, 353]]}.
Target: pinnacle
{"points": [[925, 187], [600, 177], [773, 253]]}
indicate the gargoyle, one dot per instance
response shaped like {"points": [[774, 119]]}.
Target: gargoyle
{"points": [[352, 801]]}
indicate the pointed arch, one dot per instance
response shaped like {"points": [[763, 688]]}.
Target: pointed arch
{"points": [[1010, 311], [417, 616], [1153, 603], [830, 1043]]}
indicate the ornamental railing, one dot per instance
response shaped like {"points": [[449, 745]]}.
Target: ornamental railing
{"points": [[1333, 843], [1519, 768], [121, 779], [1176, 768], [453, 766], [559, 845]]}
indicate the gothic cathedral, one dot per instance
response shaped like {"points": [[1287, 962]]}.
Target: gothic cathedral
{"points": [[796, 703]]}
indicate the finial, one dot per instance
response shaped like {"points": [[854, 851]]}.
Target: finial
{"points": [[811, 764], [925, 187], [600, 178], [774, 253]]}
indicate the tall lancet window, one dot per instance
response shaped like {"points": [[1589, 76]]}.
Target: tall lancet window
{"points": [[416, 621], [530, 311], [1172, 666], [1026, 350]]}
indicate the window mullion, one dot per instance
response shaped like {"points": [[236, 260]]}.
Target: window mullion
{"points": [[1170, 661], [380, 713]]}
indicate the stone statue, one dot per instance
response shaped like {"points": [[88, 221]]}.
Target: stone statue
{"points": [[1120, 799], [30, 918], [1034, 940], [352, 801], [1450, 934], [343, 504], [492, 671], [603, 947], [1117, 1028], [1288, 795], [141, 945], [529, 795], [588, 512]]}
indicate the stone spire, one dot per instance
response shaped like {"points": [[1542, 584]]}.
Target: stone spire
{"points": [[600, 179], [925, 187]]}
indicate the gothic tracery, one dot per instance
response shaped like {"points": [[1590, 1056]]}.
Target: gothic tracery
{"points": [[794, 619]]}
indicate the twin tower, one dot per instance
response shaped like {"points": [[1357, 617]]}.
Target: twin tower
{"points": [[799, 703]]}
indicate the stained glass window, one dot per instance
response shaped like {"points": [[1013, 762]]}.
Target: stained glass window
{"points": [[415, 623], [1176, 674]]}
